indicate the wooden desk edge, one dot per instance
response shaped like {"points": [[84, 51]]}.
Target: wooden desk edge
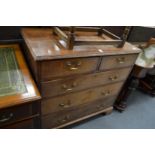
{"points": [[18, 99]]}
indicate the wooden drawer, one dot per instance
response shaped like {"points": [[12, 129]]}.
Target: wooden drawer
{"points": [[60, 118], [28, 124], [66, 67], [67, 85], [13, 114], [111, 62], [68, 101]]}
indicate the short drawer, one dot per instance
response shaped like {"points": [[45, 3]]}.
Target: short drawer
{"points": [[70, 100], [112, 62], [15, 114], [67, 85], [60, 118], [67, 67]]}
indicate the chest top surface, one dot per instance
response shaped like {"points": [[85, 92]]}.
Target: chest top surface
{"points": [[43, 45]]}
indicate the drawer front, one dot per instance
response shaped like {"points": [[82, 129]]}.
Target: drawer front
{"points": [[68, 101], [14, 114], [66, 67], [28, 124], [56, 119], [67, 85], [111, 62]]}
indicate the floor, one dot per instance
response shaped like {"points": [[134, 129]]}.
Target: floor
{"points": [[140, 114]]}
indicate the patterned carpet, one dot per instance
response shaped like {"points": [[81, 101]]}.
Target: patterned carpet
{"points": [[11, 80]]}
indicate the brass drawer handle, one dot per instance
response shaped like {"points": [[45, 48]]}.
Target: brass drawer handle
{"points": [[67, 105], [73, 65], [113, 78], [65, 119], [107, 93], [121, 60], [100, 106], [73, 85], [5, 119], [73, 68], [64, 86]]}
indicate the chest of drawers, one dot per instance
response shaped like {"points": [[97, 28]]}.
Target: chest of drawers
{"points": [[75, 84]]}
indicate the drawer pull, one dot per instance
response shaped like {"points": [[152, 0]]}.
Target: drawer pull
{"points": [[113, 78], [121, 60], [73, 68], [74, 84], [100, 106], [73, 65], [65, 119], [105, 93], [67, 105], [5, 119], [64, 86]]}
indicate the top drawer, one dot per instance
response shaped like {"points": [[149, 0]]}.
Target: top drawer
{"points": [[111, 62], [67, 67]]}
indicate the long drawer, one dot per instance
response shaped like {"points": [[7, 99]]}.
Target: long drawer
{"points": [[62, 117], [68, 101], [112, 62], [67, 67], [68, 85]]}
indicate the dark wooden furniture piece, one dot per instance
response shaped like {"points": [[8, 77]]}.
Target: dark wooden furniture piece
{"points": [[71, 38], [19, 96], [140, 78], [79, 83]]}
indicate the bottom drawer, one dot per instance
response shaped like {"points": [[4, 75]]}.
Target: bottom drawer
{"points": [[14, 114], [28, 124], [59, 118]]}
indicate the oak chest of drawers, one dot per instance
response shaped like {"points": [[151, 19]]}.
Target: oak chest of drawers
{"points": [[75, 84]]}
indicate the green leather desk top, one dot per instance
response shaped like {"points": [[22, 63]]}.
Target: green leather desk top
{"points": [[11, 79]]}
